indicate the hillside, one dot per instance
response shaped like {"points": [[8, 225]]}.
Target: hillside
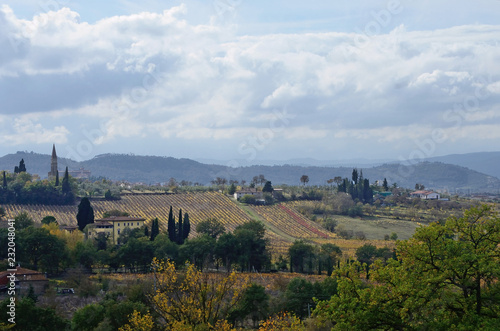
{"points": [[284, 224], [485, 162], [155, 169]]}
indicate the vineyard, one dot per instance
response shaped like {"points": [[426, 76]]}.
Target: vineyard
{"points": [[283, 223], [290, 222]]}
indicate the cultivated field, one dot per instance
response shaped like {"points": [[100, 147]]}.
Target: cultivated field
{"points": [[284, 224]]}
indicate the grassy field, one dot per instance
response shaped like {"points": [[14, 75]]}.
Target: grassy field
{"points": [[377, 227]]}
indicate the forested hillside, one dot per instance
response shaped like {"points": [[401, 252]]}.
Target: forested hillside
{"points": [[155, 169]]}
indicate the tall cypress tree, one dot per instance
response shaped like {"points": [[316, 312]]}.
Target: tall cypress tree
{"points": [[171, 226], [4, 180], [180, 236], [57, 178], [85, 213], [66, 188], [186, 226], [22, 166], [155, 229]]}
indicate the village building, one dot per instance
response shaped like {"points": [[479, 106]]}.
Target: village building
{"points": [[113, 226], [80, 173], [24, 278], [426, 195], [248, 191]]}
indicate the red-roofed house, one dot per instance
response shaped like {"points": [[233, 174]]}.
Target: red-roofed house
{"points": [[23, 279]]}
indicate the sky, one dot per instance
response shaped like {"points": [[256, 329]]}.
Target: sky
{"points": [[246, 81]]}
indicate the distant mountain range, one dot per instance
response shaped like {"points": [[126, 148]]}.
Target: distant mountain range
{"points": [[466, 173]]}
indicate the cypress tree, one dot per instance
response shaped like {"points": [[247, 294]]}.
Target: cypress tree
{"points": [[146, 231], [57, 178], [66, 188], [171, 226], [4, 180], [180, 236], [22, 166], [155, 229], [85, 213], [186, 226]]}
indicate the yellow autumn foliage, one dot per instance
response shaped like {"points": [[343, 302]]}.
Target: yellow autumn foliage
{"points": [[192, 298]]}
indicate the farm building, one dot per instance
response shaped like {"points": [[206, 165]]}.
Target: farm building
{"points": [[426, 195], [113, 226], [24, 278], [248, 191]]}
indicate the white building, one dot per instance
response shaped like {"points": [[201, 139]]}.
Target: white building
{"points": [[426, 195], [248, 191]]}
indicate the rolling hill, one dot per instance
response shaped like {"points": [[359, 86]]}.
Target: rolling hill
{"points": [[155, 169]]}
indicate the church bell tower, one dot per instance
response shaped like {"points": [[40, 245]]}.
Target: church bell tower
{"points": [[53, 163]]}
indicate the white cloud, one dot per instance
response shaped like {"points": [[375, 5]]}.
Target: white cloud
{"points": [[151, 75], [27, 132]]}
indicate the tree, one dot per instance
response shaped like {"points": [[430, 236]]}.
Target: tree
{"points": [[268, 187], [49, 219], [199, 250], [299, 296], [186, 227], [251, 246], [224, 250], [211, 226], [446, 277], [328, 256], [66, 188], [172, 235], [57, 179], [85, 213], [155, 229], [232, 189], [108, 195], [254, 303], [299, 253], [304, 179], [40, 249], [337, 180], [385, 186], [366, 254], [355, 176], [180, 228], [23, 220], [4, 184], [194, 300], [419, 186], [31, 317], [20, 168]]}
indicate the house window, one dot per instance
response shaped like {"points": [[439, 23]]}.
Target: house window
{"points": [[137, 223], [118, 224], [118, 231]]}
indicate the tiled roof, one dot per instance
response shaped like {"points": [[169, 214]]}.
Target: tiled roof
{"points": [[120, 218]]}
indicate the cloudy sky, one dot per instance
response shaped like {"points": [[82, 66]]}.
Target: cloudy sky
{"points": [[250, 80]]}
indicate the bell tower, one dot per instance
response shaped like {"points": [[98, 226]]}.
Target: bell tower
{"points": [[53, 163]]}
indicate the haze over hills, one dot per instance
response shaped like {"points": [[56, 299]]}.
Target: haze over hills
{"points": [[485, 162], [156, 169]]}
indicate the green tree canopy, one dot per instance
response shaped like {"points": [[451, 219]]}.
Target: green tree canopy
{"points": [[268, 187], [211, 226], [446, 277]]}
